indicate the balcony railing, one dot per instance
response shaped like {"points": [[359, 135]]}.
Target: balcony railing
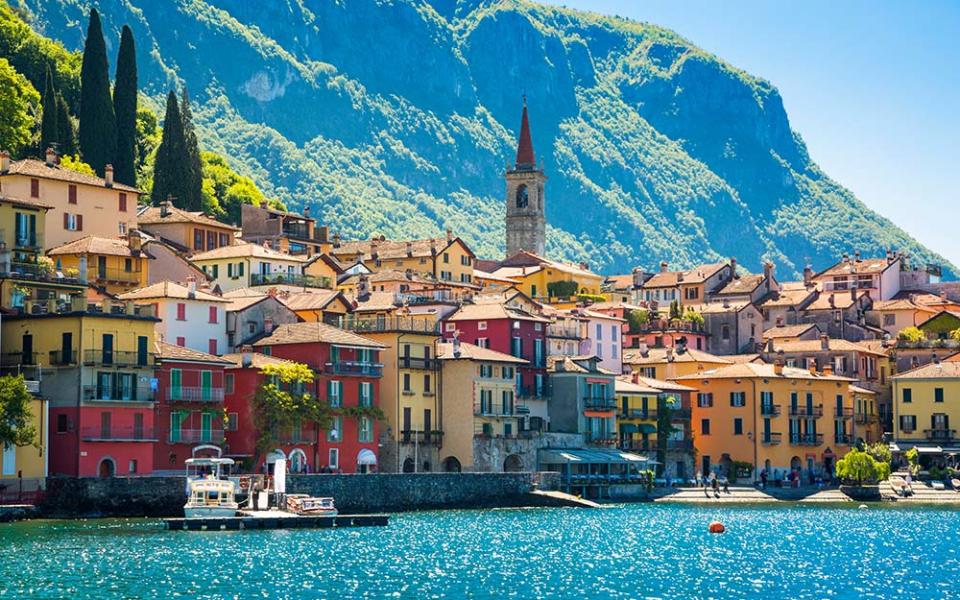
{"points": [[289, 279], [638, 445], [608, 438], [360, 369], [564, 331], [494, 411], [194, 394], [940, 435], [59, 358], [533, 393], [22, 240], [411, 362], [842, 412], [771, 439], [663, 325], [808, 439], [595, 403], [844, 439], [638, 413], [196, 436], [115, 275], [118, 434], [137, 393], [12, 359], [769, 410], [426, 324], [119, 359], [806, 411], [685, 445], [425, 438], [304, 436], [865, 418]]}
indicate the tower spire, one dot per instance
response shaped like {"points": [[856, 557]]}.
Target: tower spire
{"points": [[525, 156]]}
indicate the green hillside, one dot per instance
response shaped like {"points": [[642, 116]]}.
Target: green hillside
{"points": [[398, 117]]}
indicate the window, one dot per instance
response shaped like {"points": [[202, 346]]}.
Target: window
{"points": [[122, 202], [198, 239], [333, 393], [181, 311], [228, 382], [483, 342], [406, 380], [365, 430], [133, 466], [72, 222], [486, 371], [231, 424], [599, 331], [176, 424], [72, 194], [725, 332], [128, 265], [224, 239], [938, 394], [366, 394], [334, 458], [516, 348], [176, 381], [704, 426], [211, 240], [481, 325], [181, 341], [62, 423], [538, 326], [335, 433], [212, 347], [508, 372], [216, 271], [907, 395], [446, 258], [738, 426], [506, 402], [122, 228], [426, 385], [213, 314], [450, 327], [705, 399], [908, 423], [738, 399], [889, 320], [34, 188]]}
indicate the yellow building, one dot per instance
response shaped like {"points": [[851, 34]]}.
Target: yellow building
{"points": [[80, 205], [893, 316], [773, 418], [667, 363], [322, 266], [637, 416], [478, 399], [316, 305], [28, 462], [25, 276], [926, 411], [188, 231], [546, 280], [116, 265], [446, 259], [866, 415], [245, 265]]}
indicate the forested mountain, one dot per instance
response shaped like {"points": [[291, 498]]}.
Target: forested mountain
{"points": [[399, 116]]}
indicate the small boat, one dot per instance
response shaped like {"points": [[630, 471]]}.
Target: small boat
{"points": [[301, 504], [210, 497]]}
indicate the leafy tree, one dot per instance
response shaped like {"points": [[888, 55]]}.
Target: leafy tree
{"points": [[860, 467], [49, 130], [880, 451], [911, 334], [283, 401], [676, 310], [98, 127], [18, 102], [693, 317], [170, 175], [913, 460], [16, 417], [636, 319], [73, 163], [194, 166], [125, 109], [148, 139], [955, 335], [66, 130], [224, 190]]}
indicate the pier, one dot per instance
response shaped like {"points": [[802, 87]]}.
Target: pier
{"points": [[275, 519]]}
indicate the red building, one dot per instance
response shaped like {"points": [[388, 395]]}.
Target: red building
{"points": [[190, 387], [510, 330], [348, 372]]}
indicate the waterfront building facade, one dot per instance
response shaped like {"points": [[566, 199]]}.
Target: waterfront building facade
{"points": [[925, 409]]}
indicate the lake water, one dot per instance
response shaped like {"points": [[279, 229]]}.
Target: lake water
{"points": [[633, 551]]}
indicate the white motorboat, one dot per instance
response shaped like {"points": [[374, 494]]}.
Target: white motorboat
{"points": [[210, 497]]}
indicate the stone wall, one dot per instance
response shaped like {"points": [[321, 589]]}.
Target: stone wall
{"points": [[165, 496]]}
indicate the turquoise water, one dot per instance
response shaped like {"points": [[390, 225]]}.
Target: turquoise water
{"points": [[635, 551]]}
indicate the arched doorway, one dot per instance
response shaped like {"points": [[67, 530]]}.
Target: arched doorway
{"points": [[408, 465], [795, 464], [451, 465], [726, 466], [107, 467], [298, 461], [426, 466], [366, 461], [513, 463], [272, 459]]}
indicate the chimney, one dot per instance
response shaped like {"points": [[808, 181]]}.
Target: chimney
{"points": [[733, 267], [4, 161], [644, 350], [935, 359], [584, 266], [165, 207], [943, 295], [768, 270], [78, 303], [856, 256], [832, 301], [129, 308], [778, 367], [669, 354], [663, 266], [726, 302], [914, 361], [680, 275], [770, 345], [637, 277], [363, 286], [846, 257], [828, 368], [336, 240], [780, 321], [306, 211], [449, 235], [812, 366], [268, 325], [191, 287], [409, 249], [409, 273], [824, 341], [807, 276], [247, 360], [51, 156], [108, 176], [135, 241], [82, 269], [456, 344], [433, 247]]}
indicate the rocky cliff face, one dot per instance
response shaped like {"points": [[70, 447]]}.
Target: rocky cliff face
{"points": [[398, 116]]}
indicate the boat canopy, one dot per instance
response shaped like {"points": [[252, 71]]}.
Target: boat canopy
{"points": [[552, 456], [366, 457]]}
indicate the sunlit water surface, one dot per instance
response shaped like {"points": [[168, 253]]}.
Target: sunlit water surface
{"points": [[633, 551]]}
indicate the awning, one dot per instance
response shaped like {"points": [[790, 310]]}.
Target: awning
{"points": [[648, 428], [586, 456], [366, 457], [929, 449], [628, 428]]}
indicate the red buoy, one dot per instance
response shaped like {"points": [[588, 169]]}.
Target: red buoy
{"points": [[716, 527]]}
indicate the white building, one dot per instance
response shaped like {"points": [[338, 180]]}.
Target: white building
{"points": [[189, 318]]}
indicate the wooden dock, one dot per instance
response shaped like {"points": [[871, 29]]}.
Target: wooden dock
{"points": [[276, 520]]}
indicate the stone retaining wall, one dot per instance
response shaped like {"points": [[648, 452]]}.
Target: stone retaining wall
{"points": [[165, 496]]}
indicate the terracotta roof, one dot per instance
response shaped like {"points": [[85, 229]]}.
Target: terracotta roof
{"points": [[660, 384], [620, 282], [853, 266], [595, 314], [308, 333], [856, 389], [153, 215], [812, 346], [572, 364], [490, 312], [376, 301], [790, 294], [628, 387], [659, 355], [935, 370], [244, 302], [742, 284], [171, 352], [900, 304], [788, 331], [29, 167], [241, 249], [472, 352], [95, 245], [393, 249], [712, 308], [841, 300], [311, 300], [743, 358], [671, 278], [25, 203], [954, 314], [478, 274], [748, 370], [169, 289], [258, 360], [525, 263]]}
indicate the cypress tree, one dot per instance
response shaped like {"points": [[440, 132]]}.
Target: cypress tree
{"points": [[125, 109], [49, 129], [98, 128], [170, 176], [192, 148], [66, 133]]}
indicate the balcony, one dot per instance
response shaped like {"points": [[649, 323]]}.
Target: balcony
{"points": [[120, 276], [769, 410], [118, 434], [865, 419], [194, 394], [680, 414], [425, 364], [680, 445], [607, 438], [421, 438], [844, 439], [806, 411], [289, 279], [638, 445], [808, 439], [23, 240], [138, 393], [13, 359], [59, 358], [771, 439], [639, 413], [594, 403], [119, 359], [196, 436], [493, 411], [841, 412], [308, 436], [940, 434], [531, 392], [564, 331], [425, 324], [352, 368]]}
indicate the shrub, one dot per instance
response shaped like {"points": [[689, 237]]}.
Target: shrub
{"points": [[911, 334], [955, 335], [861, 467]]}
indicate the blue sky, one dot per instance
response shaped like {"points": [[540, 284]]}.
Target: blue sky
{"points": [[873, 88]]}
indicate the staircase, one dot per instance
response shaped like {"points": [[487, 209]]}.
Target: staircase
{"points": [[921, 493], [736, 494]]}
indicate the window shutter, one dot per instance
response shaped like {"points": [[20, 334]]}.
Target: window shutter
{"points": [[66, 221], [79, 222]]}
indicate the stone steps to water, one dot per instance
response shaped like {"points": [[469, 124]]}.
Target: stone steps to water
{"points": [[555, 498], [706, 495]]}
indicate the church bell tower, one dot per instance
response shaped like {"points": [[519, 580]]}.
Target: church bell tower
{"points": [[526, 221]]}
